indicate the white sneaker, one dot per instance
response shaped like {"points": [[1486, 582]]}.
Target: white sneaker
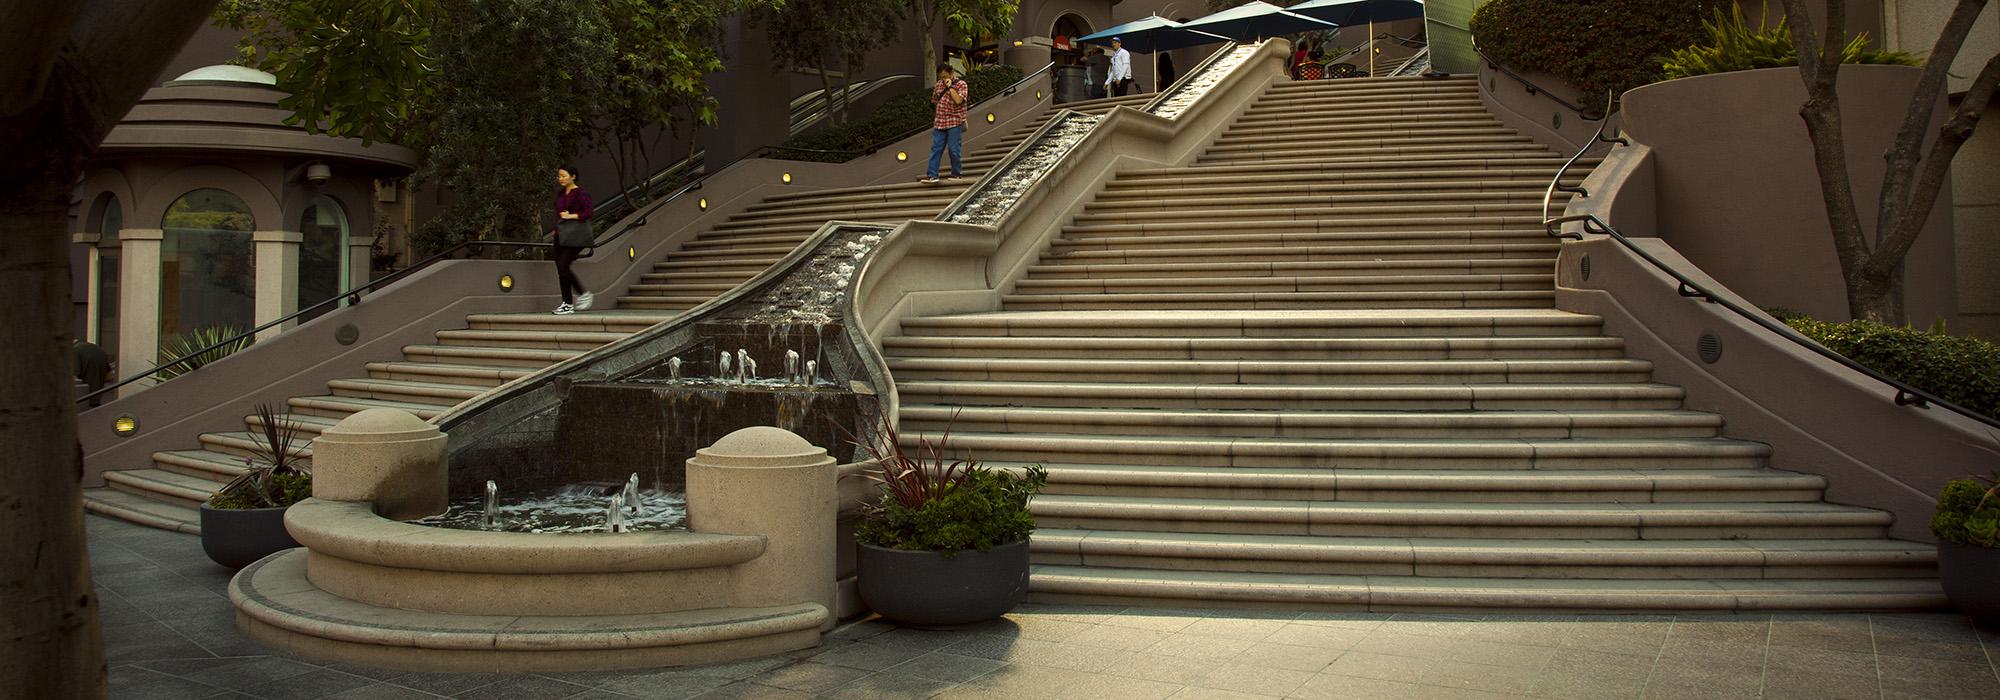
{"points": [[928, 180], [583, 302], [565, 310]]}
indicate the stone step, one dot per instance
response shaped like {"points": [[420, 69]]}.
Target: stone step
{"points": [[1413, 123], [404, 391], [1215, 255], [1197, 589], [1320, 202], [1343, 168], [1196, 195], [1662, 560], [1520, 227], [1595, 453], [140, 510], [240, 445], [536, 340], [1199, 348], [1221, 301], [1432, 486], [619, 321], [698, 275], [1390, 152], [469, 375], [488, 356], [679, 289], [1592, 371], [895, 213], [1364, 104], [1461, 140], [746, 268], [306, 427], [1264, 324], [1328, 113], [202, 464], [1464, 280], [763, 254], [1552, 521], [1413, 173], [1282, 234], [338, 407], [875, 196], [774, 237], [920, 199], [1332, 397], [1299, 424], [674, 303], [164, 486]]}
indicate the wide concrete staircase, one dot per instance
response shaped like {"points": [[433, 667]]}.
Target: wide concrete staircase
{"points": [[739, 248], [1321, 367], [491, 349]]}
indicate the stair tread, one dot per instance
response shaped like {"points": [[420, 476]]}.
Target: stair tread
{"points": [[110, 502], [1225, 545]]}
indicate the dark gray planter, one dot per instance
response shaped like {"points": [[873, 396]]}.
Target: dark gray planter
{"points": [[235, 538], [1971, 578], [925, 589]]}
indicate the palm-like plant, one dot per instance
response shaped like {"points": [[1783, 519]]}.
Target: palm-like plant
{"points": [[207, 341], [280, 480]]}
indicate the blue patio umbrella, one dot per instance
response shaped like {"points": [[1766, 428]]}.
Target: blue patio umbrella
{"points": [[1348, 13], [1153, 34], [1257, 20]]}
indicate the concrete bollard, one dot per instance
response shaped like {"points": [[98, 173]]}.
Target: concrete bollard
{"points": [[386, 456], [770, 482]]}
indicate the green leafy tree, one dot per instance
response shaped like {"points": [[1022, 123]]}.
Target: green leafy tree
{"points": [[354, 68], [964, 19], [823, 35], [662, 54]]}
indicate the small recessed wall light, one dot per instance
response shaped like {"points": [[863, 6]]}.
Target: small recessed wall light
{"points": [[125, 426], [1017, 42], [787, 178], [1038, 94], [703, 203], [506, 283], [989, 117], [631, 252], [902, 156]]}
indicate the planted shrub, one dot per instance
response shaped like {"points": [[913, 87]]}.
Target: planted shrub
{"points": [[1732, 44], [197, 339], [1592, 45], [277, 477], [1968, 513], [1962, 370], [931, 502], [898, 116]]}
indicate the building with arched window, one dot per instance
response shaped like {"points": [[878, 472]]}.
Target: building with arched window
{"points": [[204, 210]]}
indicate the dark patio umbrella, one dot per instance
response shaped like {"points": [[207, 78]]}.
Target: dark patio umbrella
{"points": [[1348, 13], [1256, 20], [1153, 34]]}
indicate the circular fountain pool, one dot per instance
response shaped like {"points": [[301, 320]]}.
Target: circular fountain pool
{"points": [[571, 508]]}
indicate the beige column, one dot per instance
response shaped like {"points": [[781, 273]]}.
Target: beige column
{"points": [[386, 456], [91, 304], [357, 260], [771, 483], [277, 278], [138, 303]]}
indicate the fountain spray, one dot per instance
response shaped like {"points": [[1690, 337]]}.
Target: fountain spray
{"points": [[614, 517], [492, 505], [632, 493]]}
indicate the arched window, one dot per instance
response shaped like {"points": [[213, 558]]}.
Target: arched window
{"points": [[208, 273], [1070, 25], [109, 218], [323, 254]]}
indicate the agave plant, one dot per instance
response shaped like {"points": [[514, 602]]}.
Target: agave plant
{"points": [[934, 501], [1968, 513], [207, 341], [277, 477]]}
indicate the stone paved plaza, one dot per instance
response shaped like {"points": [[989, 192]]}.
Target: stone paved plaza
{"points": [[170, 633]]}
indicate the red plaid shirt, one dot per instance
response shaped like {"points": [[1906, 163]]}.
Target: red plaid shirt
{"points": [[948, 114]]}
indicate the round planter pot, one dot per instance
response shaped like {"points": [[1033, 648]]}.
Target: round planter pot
{"points": [[235, 538], [1971, 578], [926, 589]]}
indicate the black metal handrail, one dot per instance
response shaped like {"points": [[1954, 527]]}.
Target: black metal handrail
{"points": [[1534, 89], [879, 145], [1555, 185], [1906, 395]]}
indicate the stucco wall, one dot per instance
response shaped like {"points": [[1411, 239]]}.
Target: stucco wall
{"points": [[1738, 193], [1975, 199]]}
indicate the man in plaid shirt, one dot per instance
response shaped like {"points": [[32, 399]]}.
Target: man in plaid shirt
{"points": [[948, 127]]}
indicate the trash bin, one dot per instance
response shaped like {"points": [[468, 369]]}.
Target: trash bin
{"points": [[1072, 84]]}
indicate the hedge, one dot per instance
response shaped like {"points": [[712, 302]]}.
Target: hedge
{"points": [[1732, 44], [1959, 369], [898, 116], [1592, 45]]}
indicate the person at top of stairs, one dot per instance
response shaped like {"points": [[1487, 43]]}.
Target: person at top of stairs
{"points": [[572, 234], [948, 127]]}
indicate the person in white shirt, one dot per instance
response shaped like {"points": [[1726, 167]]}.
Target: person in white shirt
{"points": [[1119, 78]]}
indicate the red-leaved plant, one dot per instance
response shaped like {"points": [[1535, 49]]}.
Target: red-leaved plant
{"points": [[934, 501]]}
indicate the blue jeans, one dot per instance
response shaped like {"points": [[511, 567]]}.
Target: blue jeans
{"points": [[940, 138]]}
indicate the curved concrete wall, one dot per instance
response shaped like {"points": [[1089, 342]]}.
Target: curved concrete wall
{"points": [[1818, 416], [1738, 193]]}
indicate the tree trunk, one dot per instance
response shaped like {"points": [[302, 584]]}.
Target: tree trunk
{"points": [[48, 619], [927, 15]]}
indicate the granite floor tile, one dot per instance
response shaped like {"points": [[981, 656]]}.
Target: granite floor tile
{"points": [[235, 673], [1449, 627], [1382, 641], [1064, 684], [1345, 620], [1287, 656], [1326, 686], [1787, 684], [382, 691], [599, 694], [1923, 628], [1819, 661], [808, 677], [1237, 629], [145, 684], [1380, 666], [734, 670], [446, 684], [921, 640], [1523, 632], [1198, 647], [1846, 634], [1032, 652], [313, 685], [886, 686], [667, 685], [1165, 669], [1501, 653], [1025, 627], [1632, 638], [1308, 635], [1970, 652], [1199, 693], [746, 690], [524, 688], [1692, 679], [866, 656], [1722, 628], [862, 630], [1576, 673], [941, 666], [1899, 672], [1254, 679], [150, 642], [1160, 620], [1121, 638], [1463, 675], [1697, 651]]}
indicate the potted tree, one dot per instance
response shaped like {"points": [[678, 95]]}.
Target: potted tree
{"points": [[245, 520], [1967, 526], [946, 544]]}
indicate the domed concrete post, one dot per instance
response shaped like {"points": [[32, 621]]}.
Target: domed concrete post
{"points": [[770, 482], [387, 456]]}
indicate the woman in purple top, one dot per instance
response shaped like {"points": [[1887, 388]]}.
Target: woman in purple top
{"points": [[572, 235]]}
